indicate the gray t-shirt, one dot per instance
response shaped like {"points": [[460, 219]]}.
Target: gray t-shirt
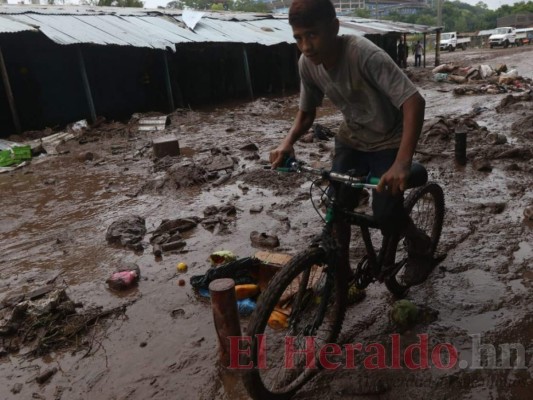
{"points": [[367, 87]]}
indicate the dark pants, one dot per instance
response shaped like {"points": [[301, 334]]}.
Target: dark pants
{"points": [[418, 60], [387, 209]]}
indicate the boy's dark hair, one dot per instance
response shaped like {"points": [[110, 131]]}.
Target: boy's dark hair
{"points": [[306, 13]]}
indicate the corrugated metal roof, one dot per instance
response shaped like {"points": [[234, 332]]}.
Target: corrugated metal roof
{"points": [[161, 29], [7, 25]]}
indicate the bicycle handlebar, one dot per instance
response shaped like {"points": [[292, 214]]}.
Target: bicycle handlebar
{"points": [[417, 177], [292, 165]]}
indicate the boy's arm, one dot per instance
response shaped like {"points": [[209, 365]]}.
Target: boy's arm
{"points": [[302, 123], [395, 179]]}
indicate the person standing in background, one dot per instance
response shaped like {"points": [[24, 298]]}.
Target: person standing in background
{"points": [[418, 54]]}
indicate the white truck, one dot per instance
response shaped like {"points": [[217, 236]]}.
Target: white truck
{"points": [[450, 41], [504, 36]]}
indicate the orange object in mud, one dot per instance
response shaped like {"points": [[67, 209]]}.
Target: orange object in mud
{"points": [[245, 291], [278, 320]]}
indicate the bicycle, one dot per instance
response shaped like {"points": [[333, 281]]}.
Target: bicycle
{"points": [[307, 298]]}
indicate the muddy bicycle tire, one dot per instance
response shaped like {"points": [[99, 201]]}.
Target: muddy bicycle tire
{"points": [[429, 218], [277, 382]]}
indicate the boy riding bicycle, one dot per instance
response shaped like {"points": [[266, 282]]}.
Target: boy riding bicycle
{"points": [[383, 116]]}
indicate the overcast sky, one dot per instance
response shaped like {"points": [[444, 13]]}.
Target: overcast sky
{"points": [[492, 4]]}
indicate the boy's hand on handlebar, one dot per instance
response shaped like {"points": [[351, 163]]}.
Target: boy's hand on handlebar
{"points": [[394, 180], [278, 155]]}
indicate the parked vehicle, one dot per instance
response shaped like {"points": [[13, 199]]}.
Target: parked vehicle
{"points": [[505, 37], [451, 40], [524, 36]]}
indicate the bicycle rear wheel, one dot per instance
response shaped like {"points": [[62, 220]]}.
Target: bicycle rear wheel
{"points": [[425, 206], [312, 297]]}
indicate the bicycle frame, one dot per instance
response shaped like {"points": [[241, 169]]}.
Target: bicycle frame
{"points": [[364, 221]]}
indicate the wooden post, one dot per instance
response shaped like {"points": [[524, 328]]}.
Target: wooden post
{"points": [[168, 85], [460, 145], [226, 316], [425, 34], [247, 73], [9, 93], [86, 85]]}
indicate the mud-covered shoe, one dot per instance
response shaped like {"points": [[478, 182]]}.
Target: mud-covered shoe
{"points": [[417, 269], [420, 261]]}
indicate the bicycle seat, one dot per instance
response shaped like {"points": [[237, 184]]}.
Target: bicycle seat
{"points": [[418, 175]]}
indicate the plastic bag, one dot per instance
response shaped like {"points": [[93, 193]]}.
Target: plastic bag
{"points": [[123, 280]]}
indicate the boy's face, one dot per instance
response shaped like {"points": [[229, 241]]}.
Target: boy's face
{"points": [[318, 42]]}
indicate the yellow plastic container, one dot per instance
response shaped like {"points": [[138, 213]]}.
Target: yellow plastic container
{"points": [[246, 291], [278, 320]]}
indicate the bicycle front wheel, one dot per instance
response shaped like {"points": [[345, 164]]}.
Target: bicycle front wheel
{"points": [[425, 206], [301, 310]]}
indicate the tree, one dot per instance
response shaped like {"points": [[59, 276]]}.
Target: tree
{"points": [[362, 13]]}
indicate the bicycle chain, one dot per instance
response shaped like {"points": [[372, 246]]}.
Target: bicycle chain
{"points": [[362, 276]]}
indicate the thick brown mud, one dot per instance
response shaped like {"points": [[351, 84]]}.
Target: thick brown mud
{"points": [[56, 211]]}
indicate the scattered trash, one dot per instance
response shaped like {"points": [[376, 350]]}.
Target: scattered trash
{"points": [[181, 282], [153, 123], [13, 153], [125, 278], [79, 125], [355, 295], [46, 375], [246, 291], [245, 306], [222, 257], [50, 143], [239, 270], [13, 168], [45, 320], [496, 138], [404, 313], [173, 246], [440, 77], [456, 79], [127, 231], [443, 68], [279, 319], [166, 146], [264, 240], [181, 267]]}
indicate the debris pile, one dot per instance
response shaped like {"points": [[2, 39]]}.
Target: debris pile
{"points": [[45, 320], [488, 80]]}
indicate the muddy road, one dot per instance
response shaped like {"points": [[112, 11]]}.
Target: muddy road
{"points": [[158, 341]]}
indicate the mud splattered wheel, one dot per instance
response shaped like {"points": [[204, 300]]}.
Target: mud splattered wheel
{"points": [[311, 296], [425, 206]]}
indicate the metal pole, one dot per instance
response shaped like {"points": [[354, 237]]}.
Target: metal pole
{"points": [[247, 73], [9, 93], [225, 314], [168, 85], [86, 85]]}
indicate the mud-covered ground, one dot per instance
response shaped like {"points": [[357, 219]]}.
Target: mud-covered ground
{"points": [[157, 341]]}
